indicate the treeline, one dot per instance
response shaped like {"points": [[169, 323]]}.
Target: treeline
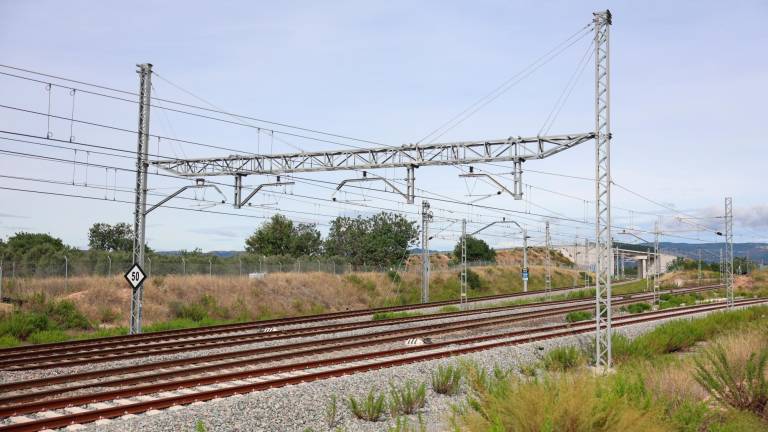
{"points": [[379, 241]]}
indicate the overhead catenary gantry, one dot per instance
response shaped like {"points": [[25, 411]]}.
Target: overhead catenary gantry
{"points": [[515, 149]]}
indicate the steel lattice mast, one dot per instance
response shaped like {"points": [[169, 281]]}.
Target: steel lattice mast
{"points": [[426, 218], [602, 23], [729, 249], [140, 210]]}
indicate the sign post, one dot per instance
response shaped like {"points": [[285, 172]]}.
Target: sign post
{"points": [[525, 274], [135, 277]]}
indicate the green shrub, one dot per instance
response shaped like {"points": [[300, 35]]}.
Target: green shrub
{"points": [[190, 311], [66, 316], [447, 380], [473, 280], [744, 388], [407, 399], [371, 408], [200, 426], [635, 308], [562, 359], [578, 316]]}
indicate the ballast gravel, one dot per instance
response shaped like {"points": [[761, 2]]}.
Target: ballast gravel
{"points": [[302, 407]]}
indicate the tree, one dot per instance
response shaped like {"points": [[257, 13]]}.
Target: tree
{"points": [[106, 237], [279, 236], [382, 239], [477, 250]]}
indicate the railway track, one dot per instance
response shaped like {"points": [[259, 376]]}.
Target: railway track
{"points": [[103, 404], [63, 355], [258, 325]]}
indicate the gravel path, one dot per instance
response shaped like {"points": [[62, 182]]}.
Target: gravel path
{"points": [[302, 407]]}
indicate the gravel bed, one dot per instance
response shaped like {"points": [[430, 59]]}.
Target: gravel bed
{"points": [[299, 407]]}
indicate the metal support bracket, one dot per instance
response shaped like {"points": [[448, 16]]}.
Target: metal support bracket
{"points": [[240, 201], [365, 178], [199, 184], [518, 188]]}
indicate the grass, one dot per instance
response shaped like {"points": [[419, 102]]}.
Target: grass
{"points": [[740, 386], [635, 308], [721, 388], [407, 399], [370, 408], [576, 316], [394, 315], [563, 358], [331, 412], [447, 380], [402, 424]]}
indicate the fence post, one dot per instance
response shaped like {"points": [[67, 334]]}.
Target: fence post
{"points": [[109, 268], [1, 281], [66, 272], [183, 266], [149, 269], [210, 267], [240, 262]]}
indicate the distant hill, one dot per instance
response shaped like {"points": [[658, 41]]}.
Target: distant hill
{"points": [[757, 252]]}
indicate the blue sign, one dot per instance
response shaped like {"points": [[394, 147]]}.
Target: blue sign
{"points": [[525, 273]]}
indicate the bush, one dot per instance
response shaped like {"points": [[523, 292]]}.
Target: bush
{"points": [[473, 280], [743, 388], [407, 399], [578, 316], [371, 408], [447, 380], [635, 308], [194, 311], [562, 359]]}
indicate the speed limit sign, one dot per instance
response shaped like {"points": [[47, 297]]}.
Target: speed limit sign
{"points": [[135, 276]]}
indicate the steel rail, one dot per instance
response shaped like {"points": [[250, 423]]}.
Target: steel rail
{"points": [[222, 328], [40, 383], [161, 403], [133, 351]]}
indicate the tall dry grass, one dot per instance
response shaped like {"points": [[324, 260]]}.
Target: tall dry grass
{"points": [[107, 299]]}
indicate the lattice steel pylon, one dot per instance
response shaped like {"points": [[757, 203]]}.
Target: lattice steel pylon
{"points": [[140, 210], [463, 295], [729, 250], [602, 23], [426, 218], [547, 260]]}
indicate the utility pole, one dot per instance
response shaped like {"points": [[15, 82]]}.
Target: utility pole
{"points": [[463, 299], [426, 217], [602, 22], [656, 264], [699, 266], [729, 250], [575, 261], [525, 259], [586, 262], [139, 221], [547, 260]]}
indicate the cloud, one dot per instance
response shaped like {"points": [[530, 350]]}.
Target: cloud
{"points": [[230, 232], [13, 216]]}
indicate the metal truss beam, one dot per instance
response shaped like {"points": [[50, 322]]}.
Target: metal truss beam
{"points": [[407, 156]]}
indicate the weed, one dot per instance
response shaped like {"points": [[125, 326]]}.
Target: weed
{"points": [[407, 399], [743, 388], [200, 426], [9, 341], [394, 315], [371, 408], [576, 316], [449, 309], [447, 380], [562, 358], [403, 425], [331, 412], [635, 308]]}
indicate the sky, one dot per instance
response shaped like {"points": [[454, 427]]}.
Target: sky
{"points": [[689, 81]]}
